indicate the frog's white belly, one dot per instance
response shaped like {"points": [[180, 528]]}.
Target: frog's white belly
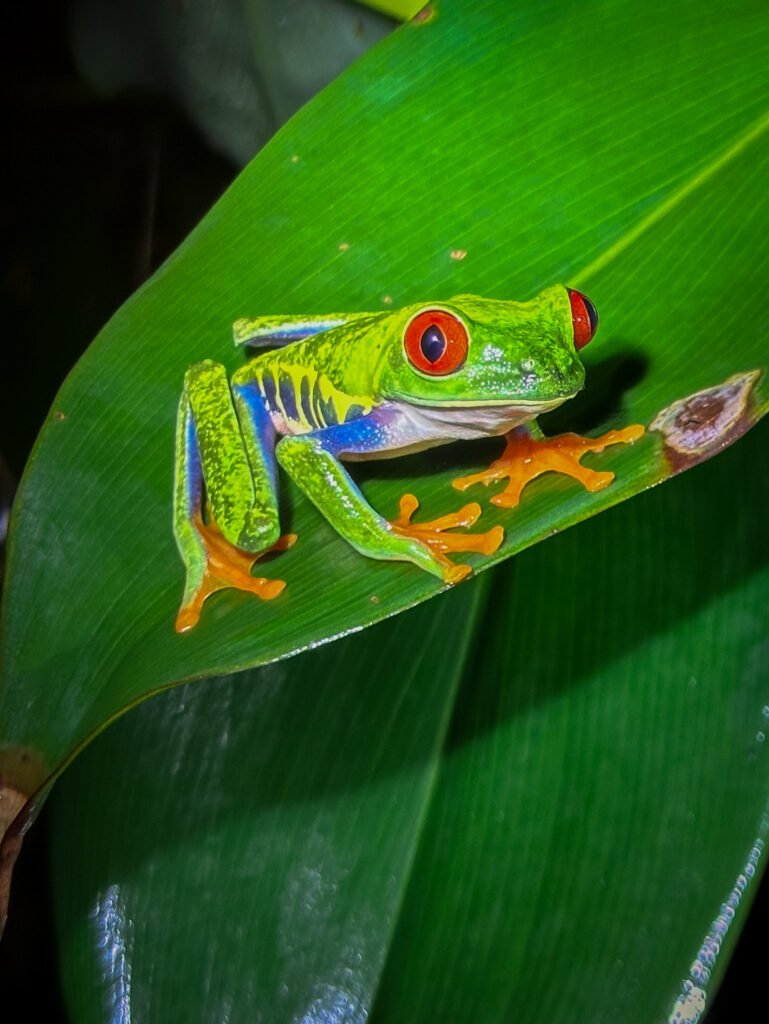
{"points": [[413, 428]]}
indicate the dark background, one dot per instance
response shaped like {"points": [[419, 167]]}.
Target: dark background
{"points": [[97, 193]]}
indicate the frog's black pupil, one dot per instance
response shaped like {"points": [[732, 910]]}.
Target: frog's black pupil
{"points": [[433, 344], [592, 313]]}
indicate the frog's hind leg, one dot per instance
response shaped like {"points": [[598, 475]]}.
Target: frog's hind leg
{"points": [[225, 466]]}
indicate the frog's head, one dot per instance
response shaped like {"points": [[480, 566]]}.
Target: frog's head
{"points": [[479, 352]]}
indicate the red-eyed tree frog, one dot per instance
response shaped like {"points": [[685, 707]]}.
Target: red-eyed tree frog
{"points": [[352, 386]]}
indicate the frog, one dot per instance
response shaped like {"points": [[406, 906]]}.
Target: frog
{"points": [[321, 391]]}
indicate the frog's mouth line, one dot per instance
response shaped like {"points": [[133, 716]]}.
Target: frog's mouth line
{"points": [[531, 408]]}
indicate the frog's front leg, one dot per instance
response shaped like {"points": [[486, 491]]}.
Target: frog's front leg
{"points": [[224, 463], [313, 462], [529, 454]]}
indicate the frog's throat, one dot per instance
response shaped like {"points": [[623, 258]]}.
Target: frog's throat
{"points": [[460, 421], [405, 427]]}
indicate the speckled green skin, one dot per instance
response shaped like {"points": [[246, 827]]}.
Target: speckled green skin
{"points": [[347, 390], [518, 351], [364, 355]]}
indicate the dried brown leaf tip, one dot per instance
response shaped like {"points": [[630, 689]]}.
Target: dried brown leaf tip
{"points": [[11, 802], [21, 773], [696, 427]]}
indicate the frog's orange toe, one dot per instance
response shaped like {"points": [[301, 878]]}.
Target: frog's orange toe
{"points": [[456, 573], [188, 618], [228, 567], [434, 534], [526, 458]]}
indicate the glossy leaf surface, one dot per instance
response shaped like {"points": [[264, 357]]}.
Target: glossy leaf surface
{"points": [[467, 161], [526, 802]]}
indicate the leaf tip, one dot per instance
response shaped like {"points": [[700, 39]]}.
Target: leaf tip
{"points": [[701, 424]]}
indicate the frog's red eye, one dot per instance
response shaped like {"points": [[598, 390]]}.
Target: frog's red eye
{"points": [[584, 317], [435, 342]]}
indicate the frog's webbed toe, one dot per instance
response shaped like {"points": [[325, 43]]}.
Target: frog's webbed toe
{"points": [[226, 566], [436, 537], [526, 457]]}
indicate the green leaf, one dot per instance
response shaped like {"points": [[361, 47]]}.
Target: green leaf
{"points": [[536, 144], [535, 800]]}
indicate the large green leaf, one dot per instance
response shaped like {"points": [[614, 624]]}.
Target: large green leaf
{"points": [[566, 143], [540, 800]]}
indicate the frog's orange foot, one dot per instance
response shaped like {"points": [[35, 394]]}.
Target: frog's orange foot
{"points": [[436, 537], [525, 458], [228, 566]]}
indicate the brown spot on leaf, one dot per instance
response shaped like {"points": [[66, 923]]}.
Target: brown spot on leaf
{"points": [[696, 427], [427, 13]]}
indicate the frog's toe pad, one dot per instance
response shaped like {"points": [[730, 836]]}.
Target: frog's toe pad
{"points": [[434, 534], [525, 458], [228, 567]]}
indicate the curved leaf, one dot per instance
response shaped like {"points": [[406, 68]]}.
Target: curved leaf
{"points": [[475, 150]]}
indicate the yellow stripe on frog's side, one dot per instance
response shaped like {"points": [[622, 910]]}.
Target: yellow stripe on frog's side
{"points": [[337, 406], [306, 400]]}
